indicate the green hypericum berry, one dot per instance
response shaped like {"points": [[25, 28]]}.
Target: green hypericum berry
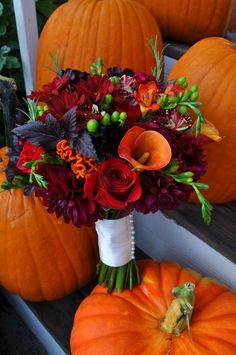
{"points": [[183, 110], [194, 96], [45, 108], [123, 116], [182, 82], [92, 125], [105, 121], [115, 116], [115, 79], [108, 99], [194, 88]]}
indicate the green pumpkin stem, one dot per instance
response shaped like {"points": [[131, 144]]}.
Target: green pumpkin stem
{"points": [[180, 310]]}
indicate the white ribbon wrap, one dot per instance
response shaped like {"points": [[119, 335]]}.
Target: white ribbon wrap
{"points": [[116, 240]]}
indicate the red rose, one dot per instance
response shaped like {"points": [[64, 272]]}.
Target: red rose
{"points": [[114, 185], [29, 152]]}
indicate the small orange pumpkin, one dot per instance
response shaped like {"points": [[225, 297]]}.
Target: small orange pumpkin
{"points": [[130, 322], [80, 31], [189, 21], [42, 258], [211, 63]]}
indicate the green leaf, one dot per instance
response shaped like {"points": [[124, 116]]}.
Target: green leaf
{"points": [[4, 50], [206, 208], [45, 7], [1, 8], [159, 58], [3, 29], [172, 167], [40, 180], [169, 106], [200, 185], [12, 62], [2, 62]]}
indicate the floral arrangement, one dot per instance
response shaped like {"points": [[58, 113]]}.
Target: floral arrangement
{"points": [[97, 146]]}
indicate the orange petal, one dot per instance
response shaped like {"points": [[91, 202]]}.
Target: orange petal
{"points": [[146, 93], [137, 141], [209, 130]]}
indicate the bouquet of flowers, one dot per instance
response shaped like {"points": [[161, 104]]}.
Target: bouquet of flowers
{"points": [[95, 147]]}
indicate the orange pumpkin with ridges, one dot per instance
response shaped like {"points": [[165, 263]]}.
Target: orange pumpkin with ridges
{"points": [[189, 21], [131, 322], [80, 31], [211, 63], [42, 258]]}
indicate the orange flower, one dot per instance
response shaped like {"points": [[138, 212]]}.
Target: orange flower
{"points": [[146, 95], [80, 165], [209, 131], [173, 89], [145, 150], [65, 151]]}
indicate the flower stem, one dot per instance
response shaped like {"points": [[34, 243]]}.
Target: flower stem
{"points": [[120, 277]]}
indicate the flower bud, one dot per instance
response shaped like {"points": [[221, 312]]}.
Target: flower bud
{"points": [[172, 99], [183, 109], [194, 96], [186, 95], [182, 82], [194, 88], [163, 100]]}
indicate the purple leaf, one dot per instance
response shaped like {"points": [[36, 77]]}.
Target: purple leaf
{"points": [[84, 145], [46, 134]]}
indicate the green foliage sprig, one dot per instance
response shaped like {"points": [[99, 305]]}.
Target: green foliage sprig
{"points": [[187, 178]]}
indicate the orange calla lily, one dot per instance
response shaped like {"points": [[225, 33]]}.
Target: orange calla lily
{"points": [[145, 150], [145, 96]]}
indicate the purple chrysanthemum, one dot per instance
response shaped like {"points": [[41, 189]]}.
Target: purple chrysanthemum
{"points": [[65, 196]]}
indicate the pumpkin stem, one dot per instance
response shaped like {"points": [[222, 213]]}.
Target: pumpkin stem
{"points": [[180, 310]]}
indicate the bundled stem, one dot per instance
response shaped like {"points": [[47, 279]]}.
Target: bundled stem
{"points": [[120, 277]]}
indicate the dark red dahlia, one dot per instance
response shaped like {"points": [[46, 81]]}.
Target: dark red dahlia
{"points": [[160, 192], [65, 196]]}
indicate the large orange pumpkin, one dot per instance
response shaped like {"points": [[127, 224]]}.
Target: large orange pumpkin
{"points": [[41, 258], [212, 64], [191, 20], [80, 31], [130, 322]]}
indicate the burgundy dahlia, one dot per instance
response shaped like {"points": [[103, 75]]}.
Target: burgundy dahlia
{"points": [[160, 192], [65, 196]]}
